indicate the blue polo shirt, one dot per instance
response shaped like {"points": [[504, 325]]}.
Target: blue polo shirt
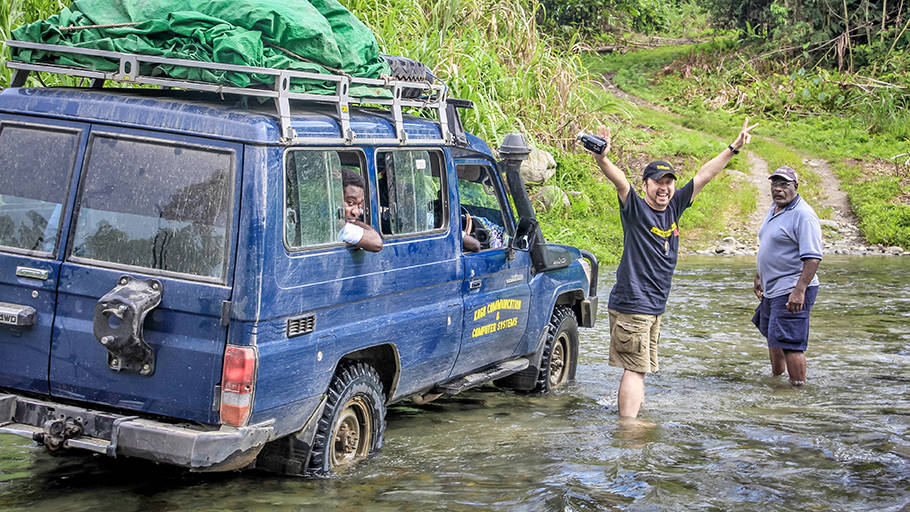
{"points": [[785, 240], [650, 248]]}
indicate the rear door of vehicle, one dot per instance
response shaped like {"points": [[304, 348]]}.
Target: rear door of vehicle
{"points": [[37, 158], [150, 206]]}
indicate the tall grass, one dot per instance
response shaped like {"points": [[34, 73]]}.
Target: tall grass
{"points": [[14, 13], [490, 52]]}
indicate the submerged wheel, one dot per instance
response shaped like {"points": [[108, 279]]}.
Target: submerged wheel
{"points": [[353, 421], [560, 352]]}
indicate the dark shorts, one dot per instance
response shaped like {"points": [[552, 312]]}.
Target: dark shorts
{"points": [[783, 329]]}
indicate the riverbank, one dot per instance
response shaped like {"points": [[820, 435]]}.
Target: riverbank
{"points": [[856, 177], [735, 227]]}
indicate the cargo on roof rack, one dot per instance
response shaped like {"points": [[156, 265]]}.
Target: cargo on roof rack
{"points": [[390, 93]]}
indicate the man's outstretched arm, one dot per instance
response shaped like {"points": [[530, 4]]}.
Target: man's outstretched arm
{"points": [[719, 162], [613, 173]]}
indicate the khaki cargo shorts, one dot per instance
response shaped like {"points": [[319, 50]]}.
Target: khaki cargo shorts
{"points": [[633, 341]]}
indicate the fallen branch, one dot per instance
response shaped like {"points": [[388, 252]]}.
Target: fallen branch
{"points": [[878, 85], [113, 25], [816, 47]]}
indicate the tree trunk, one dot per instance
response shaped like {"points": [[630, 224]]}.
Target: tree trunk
{"points": [[881, 33], [847, 37]]}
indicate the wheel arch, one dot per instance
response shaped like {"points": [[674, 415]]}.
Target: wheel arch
{"points": [[384, 358], [574, 304], [572, 299]]}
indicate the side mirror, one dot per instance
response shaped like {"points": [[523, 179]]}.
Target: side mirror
{"points": [[525, 236]]}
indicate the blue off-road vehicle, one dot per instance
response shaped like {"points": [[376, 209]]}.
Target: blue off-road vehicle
{"points": [[172, 285]]}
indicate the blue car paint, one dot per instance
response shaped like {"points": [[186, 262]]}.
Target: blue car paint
{"points": [[413, 297], [185, 330], [360, 300], [25, 352]]}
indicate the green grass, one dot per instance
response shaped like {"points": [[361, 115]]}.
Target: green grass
{"points": [[490, 52], [801, 114]]}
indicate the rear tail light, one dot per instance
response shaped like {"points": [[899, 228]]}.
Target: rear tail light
{"points": [[238, 384]]}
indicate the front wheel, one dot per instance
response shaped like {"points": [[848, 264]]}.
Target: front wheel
{"points": [[353, 421], [560, 352]]}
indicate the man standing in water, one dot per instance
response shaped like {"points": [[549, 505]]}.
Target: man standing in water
{"points": [[789, 250], [650, 249]]}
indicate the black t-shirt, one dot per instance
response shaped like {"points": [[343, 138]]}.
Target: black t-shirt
{"points": [[650, 248]]}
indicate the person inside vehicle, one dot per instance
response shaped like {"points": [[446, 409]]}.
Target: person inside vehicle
{"points": [[355, 231], [469, 243], [479, 232]]}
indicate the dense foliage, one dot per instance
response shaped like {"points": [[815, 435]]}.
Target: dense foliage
{"points": [[593, 16], [491, 52], [825, 77], [845, 35]]}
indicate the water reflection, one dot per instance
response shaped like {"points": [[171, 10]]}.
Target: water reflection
{"points": [[717, 431]]}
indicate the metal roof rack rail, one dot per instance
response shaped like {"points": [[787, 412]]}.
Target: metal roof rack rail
{"points": [[129, 72]]}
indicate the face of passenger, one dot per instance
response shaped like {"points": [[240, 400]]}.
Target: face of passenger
{"points": [[659, 192], [783, 192], [353, 202]]}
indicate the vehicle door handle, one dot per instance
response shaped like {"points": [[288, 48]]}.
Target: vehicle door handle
{"points": [[475, 284], [32, 273]]}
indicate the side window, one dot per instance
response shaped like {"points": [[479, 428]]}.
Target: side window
{"points": [[155, 204], [411, 191], [480, 200], [34, 172], [315, 202]]}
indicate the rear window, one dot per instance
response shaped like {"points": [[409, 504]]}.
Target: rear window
{"points": [[155, 205], [35, 170]]}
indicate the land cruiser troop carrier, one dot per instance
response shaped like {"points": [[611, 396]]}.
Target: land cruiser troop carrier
{"points": [[172, 285]]}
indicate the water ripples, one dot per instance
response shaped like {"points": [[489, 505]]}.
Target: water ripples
{"points": [[717, 431]]}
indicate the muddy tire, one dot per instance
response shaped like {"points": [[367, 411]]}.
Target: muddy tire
{"points": [[557, 362], [353, 421], [560, 352]]}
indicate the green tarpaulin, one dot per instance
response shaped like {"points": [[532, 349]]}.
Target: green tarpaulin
{"points": [[263, 33]]}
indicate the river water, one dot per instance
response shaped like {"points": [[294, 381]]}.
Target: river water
{"points": [[717, 433]]}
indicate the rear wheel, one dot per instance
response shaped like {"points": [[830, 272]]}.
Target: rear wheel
{"points": [[353, 421]]}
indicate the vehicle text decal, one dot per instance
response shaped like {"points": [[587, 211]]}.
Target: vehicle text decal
{"points": [[497, 324]]}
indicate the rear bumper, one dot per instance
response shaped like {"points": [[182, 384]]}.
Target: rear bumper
{"points": [[196, 448]]}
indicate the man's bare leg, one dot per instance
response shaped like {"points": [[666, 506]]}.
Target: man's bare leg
{"points": [[796, 366], [631, 393], [778, 361]]}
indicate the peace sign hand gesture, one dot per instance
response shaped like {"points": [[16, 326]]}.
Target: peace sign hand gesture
{"points": [[745, 135]]}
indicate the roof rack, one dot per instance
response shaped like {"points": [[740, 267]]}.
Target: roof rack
{"points": [[433, 96]]}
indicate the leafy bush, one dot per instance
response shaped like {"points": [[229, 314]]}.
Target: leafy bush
{"points": [[592, 17], [882, 220], [845, 35]]}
